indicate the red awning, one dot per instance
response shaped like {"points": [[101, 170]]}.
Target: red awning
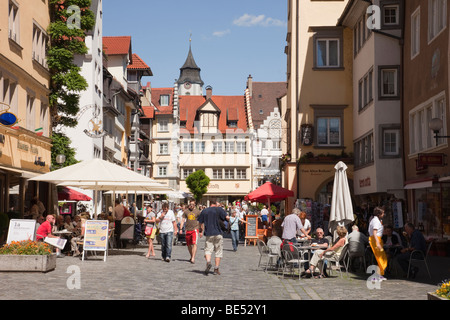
{"points": [[68, 194], [269, 191]]}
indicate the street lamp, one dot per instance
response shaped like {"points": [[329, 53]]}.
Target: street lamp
{"points": [[60, 159], [436, 125]]}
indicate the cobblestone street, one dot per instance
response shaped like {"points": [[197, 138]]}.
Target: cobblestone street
{"points": [[128, 275]]}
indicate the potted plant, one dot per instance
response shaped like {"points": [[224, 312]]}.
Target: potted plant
{"points": [[442, 293], [27, 256]]}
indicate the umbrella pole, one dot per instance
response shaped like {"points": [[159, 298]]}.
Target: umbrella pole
{"points": [[270, 212]]}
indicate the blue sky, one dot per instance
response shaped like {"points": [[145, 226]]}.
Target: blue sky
{"points": [[230, 38]]}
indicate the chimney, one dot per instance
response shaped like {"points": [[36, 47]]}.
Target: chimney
{"points": [[208, 92], [250, 85]]}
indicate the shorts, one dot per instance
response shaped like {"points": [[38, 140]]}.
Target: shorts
{"points": [[191, 237], [214, 244], [264, 218]]}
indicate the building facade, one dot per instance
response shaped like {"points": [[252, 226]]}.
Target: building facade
{"points": [[426, 82], [377, 114], [319, 99], [25, 145]]}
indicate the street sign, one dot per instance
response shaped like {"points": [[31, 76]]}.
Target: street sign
{"points": [[431, 159]]}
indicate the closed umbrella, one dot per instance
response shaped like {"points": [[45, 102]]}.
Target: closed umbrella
{"points": [[341, 201]]}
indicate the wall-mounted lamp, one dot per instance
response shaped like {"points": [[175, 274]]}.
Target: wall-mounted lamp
{"points": [[436, 125]]}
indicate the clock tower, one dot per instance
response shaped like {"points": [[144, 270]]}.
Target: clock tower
{"points": [[190, 82]]}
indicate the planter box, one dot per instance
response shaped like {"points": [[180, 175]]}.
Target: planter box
{"points": [[432, 296], [23, 263]]}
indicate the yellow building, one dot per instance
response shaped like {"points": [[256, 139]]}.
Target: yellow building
{"points": [[318, 107], [25, 147]]}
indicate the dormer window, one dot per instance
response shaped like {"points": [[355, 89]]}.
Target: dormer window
{"points": [[232, 123], [164, 100], [209, 120]]}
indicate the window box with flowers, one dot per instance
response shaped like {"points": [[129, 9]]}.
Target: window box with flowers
{"points": [[25, 256]]}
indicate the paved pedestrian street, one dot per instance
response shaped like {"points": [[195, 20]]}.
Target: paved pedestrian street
{"points": [[128, 275]]}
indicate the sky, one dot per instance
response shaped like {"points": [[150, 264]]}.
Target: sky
{"points": [[231, 39]]}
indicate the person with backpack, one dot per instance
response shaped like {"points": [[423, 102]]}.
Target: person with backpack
{"points": [[209, 220]]}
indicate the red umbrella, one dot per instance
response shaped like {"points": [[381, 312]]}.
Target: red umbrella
{"points": [[269, 192], [69, 194]]}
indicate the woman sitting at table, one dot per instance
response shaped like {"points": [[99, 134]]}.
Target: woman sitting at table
{"points": [[320, 255]]}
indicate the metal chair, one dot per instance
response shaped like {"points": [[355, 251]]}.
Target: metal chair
{"points": [[264, 252], [421, 258], [292, 258], [336, 260]]}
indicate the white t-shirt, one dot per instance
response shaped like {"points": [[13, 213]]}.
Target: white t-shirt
{"points": [[306, 226], [375, 224], [167, 224], [264, 212]]}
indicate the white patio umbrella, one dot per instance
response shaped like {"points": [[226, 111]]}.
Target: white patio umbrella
{"points": [[98, 174], [341, 201]]}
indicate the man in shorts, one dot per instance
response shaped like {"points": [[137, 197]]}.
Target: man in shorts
{"points": [[210, 227], [191, 224]]}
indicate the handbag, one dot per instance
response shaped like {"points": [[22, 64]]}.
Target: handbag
{"points": [[148, 230]]}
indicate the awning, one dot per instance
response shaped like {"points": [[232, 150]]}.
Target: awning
{"points": [[419, 185], [444, 179], [25, 174]]}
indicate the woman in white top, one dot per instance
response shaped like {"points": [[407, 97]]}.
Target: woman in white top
{"points": [[306, 225], [375, 233]]}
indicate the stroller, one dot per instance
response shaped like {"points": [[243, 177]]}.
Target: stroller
{"points": [[139, 234]]}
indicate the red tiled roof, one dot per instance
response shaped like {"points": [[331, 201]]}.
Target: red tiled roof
{"points": [[156, 96], [234, 104], [138, 63], [117, 45], [264, 99], [149, 112]]}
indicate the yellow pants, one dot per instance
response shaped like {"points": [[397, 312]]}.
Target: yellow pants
{"points": [[380, 255]]}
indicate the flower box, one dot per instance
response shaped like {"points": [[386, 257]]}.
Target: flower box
{"points": [[433, 296], [27, 263]]}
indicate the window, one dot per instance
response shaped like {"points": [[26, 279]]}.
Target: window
{"points": [[163, 125], [217, 174], [229, 147], [39, 45], [30, 113], [14, 25], [229, 174], [187, 172], [241, 173], [209, 120], [261, 163], [164, 100], [361, 34], [327, 53], [8, 93], [365, 90], [328, 131], [217, 147], [241, 147], [183, 124], [44, 119], [188, 146], [232, 123], [364, 150], [437, 17], [391, 142], [391, 15], [415, 33], [199, 146], [421, 136], [164, 148], [162, 171], [388, 83]]}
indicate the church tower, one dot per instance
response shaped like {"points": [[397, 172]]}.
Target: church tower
{"points": [[190, 82]]}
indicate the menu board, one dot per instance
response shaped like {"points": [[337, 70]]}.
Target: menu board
{"points": [[21, 230], [96, 236], [251, 226]]}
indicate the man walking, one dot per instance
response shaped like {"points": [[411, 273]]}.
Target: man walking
{"points": [[191, 224], [168, 227], [210, 227]]}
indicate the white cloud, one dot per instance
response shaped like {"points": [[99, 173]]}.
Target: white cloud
{"points": [[248, 20], [221, 33]]}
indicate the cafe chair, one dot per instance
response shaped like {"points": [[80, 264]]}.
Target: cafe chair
{"points": [[265, 253], [292, 259], [418, 256], [337, 260]]}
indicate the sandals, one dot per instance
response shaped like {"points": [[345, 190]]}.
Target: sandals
{"points": [[320, 276]]}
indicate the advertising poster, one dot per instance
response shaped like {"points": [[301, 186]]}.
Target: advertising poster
{"points": [[21, 230], [96, 235], [397, 214]]}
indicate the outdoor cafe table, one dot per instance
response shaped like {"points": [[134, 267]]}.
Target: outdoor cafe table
{"points": [[310, 248]]}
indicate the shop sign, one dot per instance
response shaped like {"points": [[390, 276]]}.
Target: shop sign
{"points": [[431, 159], [213, 186], [364, 182]]}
